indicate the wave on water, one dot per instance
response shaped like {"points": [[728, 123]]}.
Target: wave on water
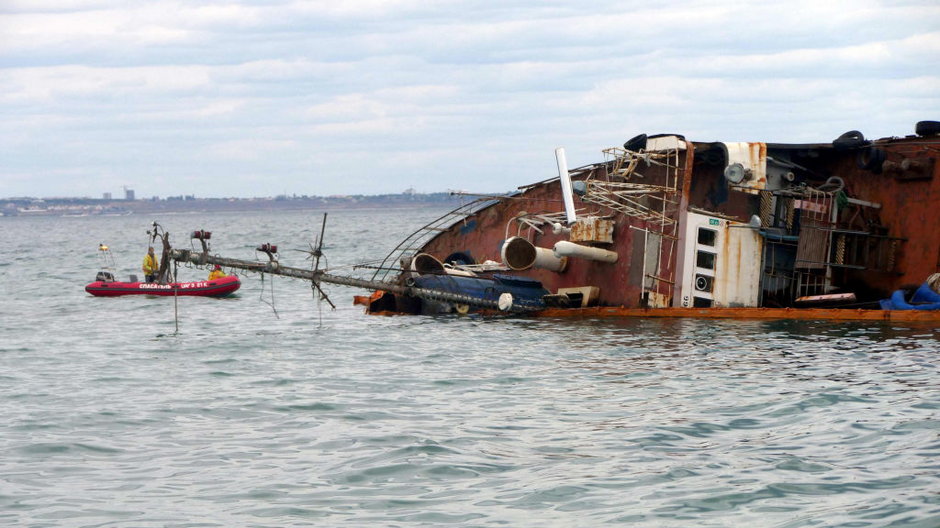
{"points": [[308, 416]]}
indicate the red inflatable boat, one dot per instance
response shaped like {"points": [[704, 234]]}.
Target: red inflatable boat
{"points": [[206, 288]]}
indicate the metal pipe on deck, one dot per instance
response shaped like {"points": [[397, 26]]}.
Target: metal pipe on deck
{"points": [[519, 254], [563, 248]]}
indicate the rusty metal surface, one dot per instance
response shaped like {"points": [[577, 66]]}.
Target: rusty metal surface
{"points": [[907, 218], [749, 313], [593, 230], [804, 314], [909, 209], [481, 236], [753, 157]]}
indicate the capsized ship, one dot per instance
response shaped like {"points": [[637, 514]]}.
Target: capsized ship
{"points": [[666, 226], [669, 226]]}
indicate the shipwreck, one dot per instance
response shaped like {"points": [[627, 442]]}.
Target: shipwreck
{"points": [[667, 226]]}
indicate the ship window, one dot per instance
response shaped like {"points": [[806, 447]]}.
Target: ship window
{"points": [[703, 283], [701, 302], [706, 237], [705, 260]]}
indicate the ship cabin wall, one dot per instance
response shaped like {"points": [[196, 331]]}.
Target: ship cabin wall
{"points": [[722, 263]]}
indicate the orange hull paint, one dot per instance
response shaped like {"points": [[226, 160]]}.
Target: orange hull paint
{"points": [[749, 313]]}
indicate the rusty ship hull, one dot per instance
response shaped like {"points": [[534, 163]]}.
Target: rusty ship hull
{"points": [[702, 229]]}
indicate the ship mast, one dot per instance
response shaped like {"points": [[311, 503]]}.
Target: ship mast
{"points": [[317, 276]]}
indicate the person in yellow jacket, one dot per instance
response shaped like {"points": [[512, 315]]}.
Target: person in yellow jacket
{"points": [[151, 265], [216, 273]]}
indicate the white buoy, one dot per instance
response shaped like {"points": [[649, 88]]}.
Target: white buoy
{"points": [[505, 301]]}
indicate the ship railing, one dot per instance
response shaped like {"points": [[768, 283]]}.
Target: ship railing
{"points": [[634, 199], [410, 246]]}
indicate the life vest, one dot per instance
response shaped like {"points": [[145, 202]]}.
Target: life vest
{"points": [[151, 265]]}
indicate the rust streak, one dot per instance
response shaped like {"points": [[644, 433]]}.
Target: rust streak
{"points": [[750, 313]]}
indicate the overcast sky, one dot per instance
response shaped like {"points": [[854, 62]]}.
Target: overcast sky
{"points": [[267, 97]]}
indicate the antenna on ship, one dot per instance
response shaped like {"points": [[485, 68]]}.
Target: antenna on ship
{"points": [[314, 254], [566, 192], [317, 253]]}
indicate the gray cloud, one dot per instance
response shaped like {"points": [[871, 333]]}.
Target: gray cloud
{"points": [[259, 98]]}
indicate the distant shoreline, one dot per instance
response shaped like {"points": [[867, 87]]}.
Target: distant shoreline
{"points": [[77, 207]]}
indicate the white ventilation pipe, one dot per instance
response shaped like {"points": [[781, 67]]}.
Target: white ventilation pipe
{"points": [[570, 249], [424, 264], [566, 192], [520, 254]]}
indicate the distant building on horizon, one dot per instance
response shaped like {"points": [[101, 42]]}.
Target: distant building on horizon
{"points": [[128, 194], [106, 196]]}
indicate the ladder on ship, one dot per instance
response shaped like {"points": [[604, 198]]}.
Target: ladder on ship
{"points": [[625, 192], [410, 246], [654, 207]]}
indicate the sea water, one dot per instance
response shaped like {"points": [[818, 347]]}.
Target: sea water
{"points": [[271, 409]]}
